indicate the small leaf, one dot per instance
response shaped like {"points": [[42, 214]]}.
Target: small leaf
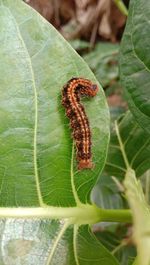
{"points": [[135, 61]]}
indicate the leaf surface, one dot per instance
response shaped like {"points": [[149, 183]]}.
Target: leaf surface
{"points": [[50, 243], [37, 158]]}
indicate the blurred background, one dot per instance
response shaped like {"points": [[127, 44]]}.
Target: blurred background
{"points": [[90, 20], [94, 28]]}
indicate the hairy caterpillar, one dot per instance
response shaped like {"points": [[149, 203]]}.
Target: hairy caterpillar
{"points": [[71, 93]]}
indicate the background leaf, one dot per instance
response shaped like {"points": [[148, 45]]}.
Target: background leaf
{"points": [[35, 138], [99, 253], [106, 194], [135, 61], [103, 60], [137, 147], [116, 240], [79, 45]]}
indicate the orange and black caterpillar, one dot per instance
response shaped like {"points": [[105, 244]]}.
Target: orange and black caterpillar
{"points": [[71, 93]]}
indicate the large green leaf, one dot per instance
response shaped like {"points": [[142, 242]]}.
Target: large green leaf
{"points": [[136, 143], [35, 138], [37, 161], [135, 61]]}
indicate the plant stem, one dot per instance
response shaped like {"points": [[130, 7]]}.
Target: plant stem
{"points": [[147, 186], [121, 216], [122, 146], [117, 248], [83, 214], [121, 7]]}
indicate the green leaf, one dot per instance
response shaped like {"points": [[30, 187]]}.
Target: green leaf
{"points": [[99, 254], [36, 163], [135, 62], [141, 216], [117, 243], [103, 61], [136, 144]]}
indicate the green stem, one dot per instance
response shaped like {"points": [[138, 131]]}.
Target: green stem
{"points": [[147, 186], [121, 216], [122, 146], [83, 214], [119, 247], [121, 7]]}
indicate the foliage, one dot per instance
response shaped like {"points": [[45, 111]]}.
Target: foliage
{"points": [[136, 144], [103, 61], [38, 171], [135, 64]]}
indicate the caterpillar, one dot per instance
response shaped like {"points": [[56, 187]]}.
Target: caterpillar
{"points": [[79, 122]]}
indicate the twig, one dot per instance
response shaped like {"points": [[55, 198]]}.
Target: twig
{"points": [[121, 7]]}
